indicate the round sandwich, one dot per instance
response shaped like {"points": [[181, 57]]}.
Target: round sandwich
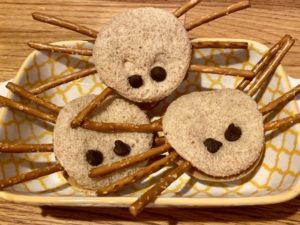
{"points": [[79, 150], [143, 54], [219, 132]]}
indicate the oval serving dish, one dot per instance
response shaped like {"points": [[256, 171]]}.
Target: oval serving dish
{"points": [[276, 180]]}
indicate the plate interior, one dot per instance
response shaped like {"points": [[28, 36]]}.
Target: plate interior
{"points": [[278, 173]]}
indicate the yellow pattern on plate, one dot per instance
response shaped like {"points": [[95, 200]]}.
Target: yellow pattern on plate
{"points": [[276, 180]]}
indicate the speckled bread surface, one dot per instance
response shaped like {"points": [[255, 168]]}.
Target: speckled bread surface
{"points": [[71, 145], [134, 43], [193, 119]]}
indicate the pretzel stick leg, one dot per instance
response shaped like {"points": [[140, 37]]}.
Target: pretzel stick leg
{"points": [[259, 66], [262, 63], [26, 94], [62, 80], [25, 148], [219, 70], [281, 100], [26, 109], [185, 7], [78, 120], [30, 176], [122, 127], [271, 68], [129, 161], [65, 24], [159, 141], [114, 187], [219, 44], [285, 122], [230, 9], [60, 49], [158, 188]]}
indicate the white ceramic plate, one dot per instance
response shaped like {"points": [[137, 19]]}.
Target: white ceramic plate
{"points": [[277, 179]]}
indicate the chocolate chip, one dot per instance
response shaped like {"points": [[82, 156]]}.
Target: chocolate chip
{"points": [[135, 81], [212, 145], [121, 148], [158, 73], [94, 157], [233, 133]]}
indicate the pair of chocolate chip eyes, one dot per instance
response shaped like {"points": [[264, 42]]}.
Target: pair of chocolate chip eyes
{"points": [[232, 133], [157, 73], [95, 157]]}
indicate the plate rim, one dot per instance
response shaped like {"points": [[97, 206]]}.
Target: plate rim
{"points": [[161, 201]]}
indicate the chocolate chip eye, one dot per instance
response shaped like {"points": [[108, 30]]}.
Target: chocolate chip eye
{"points": [[121, 148], [233, 133], [135, 81], [212, 145], [158, 74], [94, 157]]}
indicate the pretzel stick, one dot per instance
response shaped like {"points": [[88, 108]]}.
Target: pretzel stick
{"points": [[65, 24], [31, 175], [26, 94], [121, 127], [157, 165], [205, 19], [263, 62], [129, 161], [219, 70], [60, 49], [25, 148], [159, 141], [288, 121], [281, 100], [220, 44], [26, 109], [185, 7], [158, 188], [271, 68], [82, 116], [62, 80]]}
